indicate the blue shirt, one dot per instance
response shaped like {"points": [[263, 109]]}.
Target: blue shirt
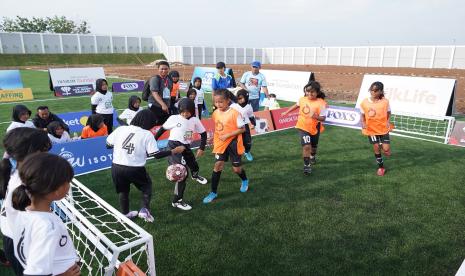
{"points": [[219, 82], [253, 83]]}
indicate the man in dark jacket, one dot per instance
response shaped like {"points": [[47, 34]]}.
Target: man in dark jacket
{"points": [[45, 117]]}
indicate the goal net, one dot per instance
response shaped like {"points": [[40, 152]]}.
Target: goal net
{"points": [[103, 237]]}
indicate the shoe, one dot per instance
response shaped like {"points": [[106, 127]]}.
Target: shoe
{"points": [[210, 197], [249, 156], [307, 169], [244, 186], [145, 214], [313, 160], [202, 180], [380, 171], [181, 205], [132, 214]]}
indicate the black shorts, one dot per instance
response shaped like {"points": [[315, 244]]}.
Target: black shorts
{"points": [[308, 139], [379, 139], [123, 176], [231, 151]]}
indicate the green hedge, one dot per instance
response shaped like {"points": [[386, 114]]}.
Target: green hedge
{"points": [[58, 59]]}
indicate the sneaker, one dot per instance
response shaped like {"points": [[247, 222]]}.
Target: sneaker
{"points": [[202, 180], [380, 171], [244, 186], [249, 156], [181, 205], [313, 160], [210, 197], [307, 169], [145, 214], [132, 214]]}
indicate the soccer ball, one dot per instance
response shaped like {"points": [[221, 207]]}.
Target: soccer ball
{"points": [[176, 172]]}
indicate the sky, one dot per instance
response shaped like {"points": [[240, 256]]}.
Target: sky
{"points": [[263, 23]]}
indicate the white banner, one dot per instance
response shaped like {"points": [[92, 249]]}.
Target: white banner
{"points": [[287, 85], [75, 76], [424, 96]]}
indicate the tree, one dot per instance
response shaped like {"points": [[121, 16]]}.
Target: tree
{"points": [[56, 24]]}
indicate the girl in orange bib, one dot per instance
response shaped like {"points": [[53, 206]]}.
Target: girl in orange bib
{"points": [[375, 123], [312, 112]]}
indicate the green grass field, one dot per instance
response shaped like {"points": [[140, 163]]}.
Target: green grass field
{"points": [[341, 220]]}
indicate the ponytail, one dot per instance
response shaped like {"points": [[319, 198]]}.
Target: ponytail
{"points": [[20, 198], [5, 172]]}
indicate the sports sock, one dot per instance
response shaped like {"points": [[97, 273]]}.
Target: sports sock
{"points": [[307, 161], [215, 181], [242, 175], [379, 160], [124, 202], [179, 190], [146, 200]]}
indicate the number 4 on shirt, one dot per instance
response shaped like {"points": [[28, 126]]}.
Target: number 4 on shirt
{"points": [[129, 147]]}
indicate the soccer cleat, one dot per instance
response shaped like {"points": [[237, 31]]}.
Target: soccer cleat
{"points": [[313, 160], [144, 213], [210, 197], [249, 156], [181, 205], [307, 169], [244, 186], [380, 171], [132, 214], [202, 180]]}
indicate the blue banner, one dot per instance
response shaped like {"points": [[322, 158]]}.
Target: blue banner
{"points": [[77, 120], [206, 74], [10, 79]]}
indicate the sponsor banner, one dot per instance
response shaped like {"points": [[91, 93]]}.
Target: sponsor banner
{"points": [[10, 79], [207, 74], [457, 136], [264, 122], [75, 76], [14, 95], [423, 96], [128, 86], [343, 116], [77, 120], [73, 90], [281, 122], [287, 85], [183, 86]]}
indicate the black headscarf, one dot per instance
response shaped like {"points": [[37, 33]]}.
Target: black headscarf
{"points": [[144, 119], [98, 86], [18, 110], [94, 121], [51, 128], [131, 102]]}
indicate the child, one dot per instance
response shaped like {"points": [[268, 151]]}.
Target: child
{"points": [[132, 144], [174, 75], [227, 142], [18, 143], [182, 127], [199, 99], [271, 103], [41, 241], [246, 111], [131, 111], [102, 103], [192, 94], [375, 123], [20, 117], [95, 127], [57, 133], [312, 112]]}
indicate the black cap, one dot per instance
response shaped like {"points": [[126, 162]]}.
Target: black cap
{"points": [[220, 65]]}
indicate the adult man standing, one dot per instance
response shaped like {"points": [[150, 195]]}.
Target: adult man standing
{"points": [[44, 117], [160, 93], [254, 81]]}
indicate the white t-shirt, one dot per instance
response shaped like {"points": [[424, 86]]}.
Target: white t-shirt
{"points": [[129, 114], [42, 244], [14, 125], [200, 96], [64, 138], [182, 129], [131, 145], [8, 213], [253, 83], [246, 111], [104, 102]]}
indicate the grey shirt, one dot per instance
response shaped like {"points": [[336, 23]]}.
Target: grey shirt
{"points": [[163, 87]]}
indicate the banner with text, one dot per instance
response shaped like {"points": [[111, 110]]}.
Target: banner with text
{"points": [[287, 85], [15, 95], [77, 120], [73, 90], [74, 77], [10, 79], [413, 95], [128, 86]]}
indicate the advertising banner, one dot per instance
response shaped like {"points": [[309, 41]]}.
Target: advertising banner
{"points": [[10, 79], [264, 122], [15, 95], [206, 74], [457, 136], [128, 86], [282, 122], [74, 76], [422, 96], [287, 85], [73, 90], [343, 116], [77, 120]]}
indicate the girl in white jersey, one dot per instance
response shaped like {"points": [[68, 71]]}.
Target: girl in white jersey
{"points": [[243, 106], [199, 98], [18, 143], [41, 241], [129, 113], [102, 103]]}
